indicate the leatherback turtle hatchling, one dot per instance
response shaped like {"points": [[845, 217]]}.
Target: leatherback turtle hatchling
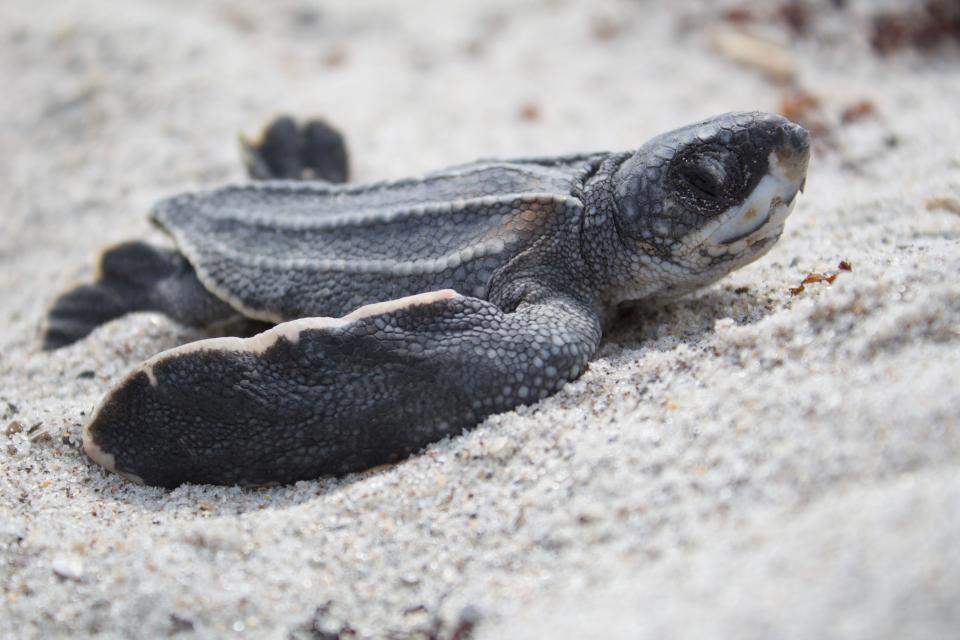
{"points": [[409, 310]]}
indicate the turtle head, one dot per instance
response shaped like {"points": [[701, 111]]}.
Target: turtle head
{"points": [[696, 203]]}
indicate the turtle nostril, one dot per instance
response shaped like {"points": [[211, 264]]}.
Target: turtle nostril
{"points": [[798, 138]]}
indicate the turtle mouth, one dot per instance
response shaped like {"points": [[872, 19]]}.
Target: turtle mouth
{"points": [[742, 226], [762, 215], [749, 222]]}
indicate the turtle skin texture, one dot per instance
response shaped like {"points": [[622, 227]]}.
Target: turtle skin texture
{"points": [[404, 312]]}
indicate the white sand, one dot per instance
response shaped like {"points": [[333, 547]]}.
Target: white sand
{"points": [[741, 463]]}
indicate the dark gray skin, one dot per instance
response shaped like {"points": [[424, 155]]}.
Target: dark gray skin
{"points": [[493, 281]]}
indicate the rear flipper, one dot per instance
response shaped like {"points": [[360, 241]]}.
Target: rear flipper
{"points": [[134, 276], [288, 151], [329, 396]]}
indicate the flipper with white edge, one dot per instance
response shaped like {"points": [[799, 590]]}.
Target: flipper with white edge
{"points": [[328, 396]]}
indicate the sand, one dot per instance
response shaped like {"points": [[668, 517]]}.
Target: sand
{"points": [[741, 463]]}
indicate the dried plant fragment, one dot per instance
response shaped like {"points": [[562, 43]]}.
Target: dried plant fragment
{"points": [[943, 203], [819, 277], [859, 110], [923, 27], [530, 112], [755, 51], [814, 277]]}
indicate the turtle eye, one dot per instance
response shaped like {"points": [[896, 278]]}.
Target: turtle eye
{"points": [[707, 175], [703, 182]]}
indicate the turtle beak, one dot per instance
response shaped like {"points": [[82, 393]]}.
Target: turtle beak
{"points": [[794, 153], [793, 156]]}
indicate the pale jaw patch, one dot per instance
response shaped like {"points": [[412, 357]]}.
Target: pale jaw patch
{"points": [[761, 216]]}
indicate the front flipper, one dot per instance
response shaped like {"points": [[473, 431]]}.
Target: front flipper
{"points": [[329, 396]]}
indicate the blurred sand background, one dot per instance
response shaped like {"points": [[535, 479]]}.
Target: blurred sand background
{"points": [[743, 463]]}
